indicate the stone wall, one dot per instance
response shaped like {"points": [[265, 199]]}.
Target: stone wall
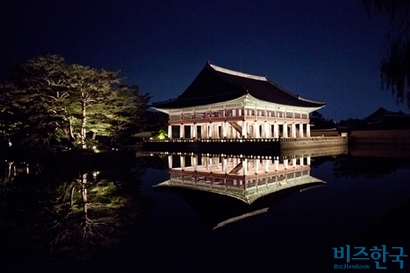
{"points": [[297, 143], [380, 136]]}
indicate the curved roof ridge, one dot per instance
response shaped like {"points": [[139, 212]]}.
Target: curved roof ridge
{"points": [[309, 100], [237, 73]]}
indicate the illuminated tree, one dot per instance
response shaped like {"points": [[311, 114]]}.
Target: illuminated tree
{"points": [[395, 66], [35, 100], [48, 101], [121, 114], [7, 126], [88, 88]]}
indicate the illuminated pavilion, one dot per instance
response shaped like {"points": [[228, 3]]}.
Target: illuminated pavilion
{"points": [[223, 103]]}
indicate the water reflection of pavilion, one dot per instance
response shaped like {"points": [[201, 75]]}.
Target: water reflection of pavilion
{"points": [[224, 189], [246, 178]]}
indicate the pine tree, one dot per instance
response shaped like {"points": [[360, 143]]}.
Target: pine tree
{"points": [[47, 102]]}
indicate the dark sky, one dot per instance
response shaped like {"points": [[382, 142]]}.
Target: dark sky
{"points": [[323, 50]]}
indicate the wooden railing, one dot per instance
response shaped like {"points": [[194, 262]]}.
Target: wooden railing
{"points": [[219, 140], [237, 118]]}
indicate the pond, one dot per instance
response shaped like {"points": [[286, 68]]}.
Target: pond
{"points": [[211, 213]]}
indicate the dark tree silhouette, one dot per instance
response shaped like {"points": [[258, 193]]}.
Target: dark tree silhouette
{"points": [[395, 65]]}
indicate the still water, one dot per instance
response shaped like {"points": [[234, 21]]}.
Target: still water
{"points": [[211, 213]]}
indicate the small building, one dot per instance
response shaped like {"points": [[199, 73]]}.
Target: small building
{"points": [[223, 103], [380, 127]]}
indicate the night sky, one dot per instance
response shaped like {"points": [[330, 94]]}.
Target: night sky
{"points": [[322, 50]]}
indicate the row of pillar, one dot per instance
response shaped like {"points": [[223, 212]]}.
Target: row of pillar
{"points": [[211, 162], [255, 130]]}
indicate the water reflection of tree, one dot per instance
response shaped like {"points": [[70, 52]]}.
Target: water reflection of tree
{"points": [[368, 167], [62, 216], [89, 210]]}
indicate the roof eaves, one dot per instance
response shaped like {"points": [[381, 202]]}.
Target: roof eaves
{"points": [[237, 73], [311, 101]]}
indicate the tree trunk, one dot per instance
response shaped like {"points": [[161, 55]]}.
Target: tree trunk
{"points": [[83, 124], [87, 222], [84, 194], [70, 125], [65, 193], [70, 130], [72, 195]]}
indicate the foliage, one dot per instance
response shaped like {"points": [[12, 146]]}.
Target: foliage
{"points": [[162, 134], [125, 118], [49, 102], [316, 114], [395, 66]]}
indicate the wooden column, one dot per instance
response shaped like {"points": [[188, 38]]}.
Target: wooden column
{"points": [[266, 165], [182, 159], [285, 130], [245, 167], [266, 130], [256, 129], [170, 162], [293, 130], [256, 165], [194, 162], [244, 129], [211, 164], [204, 131], [193, 130], [276, 130], [224, 129], [182, 131], [286, 163], [225, 165], [276, 163], [169, 131]]}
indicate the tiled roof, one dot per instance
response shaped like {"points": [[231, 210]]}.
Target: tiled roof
{"points": [[216, 84], [381, 113]]}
